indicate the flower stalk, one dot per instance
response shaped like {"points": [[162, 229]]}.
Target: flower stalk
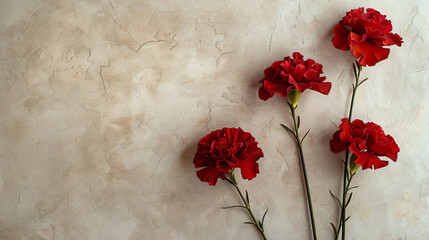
{"points": [[258, 224], [348, 174], [295, 133], [289, 78]]}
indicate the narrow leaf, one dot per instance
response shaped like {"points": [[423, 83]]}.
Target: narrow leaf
{"points": [[247, 198], [290, 106], [305, 135], [348, 200], [288, 129], [339, 228], [334, 228], [349, 176], [355, 70], [353, 187], [249, 223], [299, 122], [336, 198], [362, 81], [263, 217], [233, 207], [347, 218]]}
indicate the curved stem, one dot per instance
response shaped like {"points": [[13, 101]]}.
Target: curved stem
{"points": [[257, 224], [304, 171], [357, 71]]}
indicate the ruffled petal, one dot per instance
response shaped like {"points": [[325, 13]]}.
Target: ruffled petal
{"points": [[366, 159], [341, 40], [264, 94], [279, 88], [210, 175], [249, 167], [370, 54], [299, 86], [337, 146], [322, 87]]}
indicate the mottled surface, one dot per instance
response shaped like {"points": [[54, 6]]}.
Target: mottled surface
{"points": [[102, 104]]}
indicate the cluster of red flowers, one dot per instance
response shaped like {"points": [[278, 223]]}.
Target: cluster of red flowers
{"points": [[367, 141], [365, 34], [222, 150], [293, 73]]}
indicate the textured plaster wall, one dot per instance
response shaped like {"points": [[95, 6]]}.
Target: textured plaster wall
{"points": [[103, 102]]}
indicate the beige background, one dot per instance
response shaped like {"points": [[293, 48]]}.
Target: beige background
{"points": [[102, 104]]}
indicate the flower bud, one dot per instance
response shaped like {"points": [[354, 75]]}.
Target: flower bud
{"points": [[294, 96]]}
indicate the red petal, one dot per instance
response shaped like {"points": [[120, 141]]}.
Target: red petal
{"points": [[273, 71], [210, 175], [337, 146], [391, 39], [297, 55], [299, 86], [354, 37], [370, 53], [322, 87], [346, 128], [299, 71], [383, 145], [251, 154], [279, 88], [367, 159], [394, 149], [249, 167], [340, 39], [264, 94], [310, 74]]}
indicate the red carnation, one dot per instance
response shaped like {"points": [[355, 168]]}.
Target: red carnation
{"points": [[295, 73], [367, 141], [222, 150], [365, 34]]}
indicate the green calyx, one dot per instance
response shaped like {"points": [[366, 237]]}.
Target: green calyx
{"points": [[353, 165], [293, 97]]}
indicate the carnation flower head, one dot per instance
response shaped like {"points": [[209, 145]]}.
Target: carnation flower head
{"points": [[367, 141], [223, 150], [365, 34], [293, 73]]}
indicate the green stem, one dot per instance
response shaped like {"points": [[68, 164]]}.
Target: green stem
{"points": [[357, 71], [304, 171], [349, 180], [257, 224]]}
